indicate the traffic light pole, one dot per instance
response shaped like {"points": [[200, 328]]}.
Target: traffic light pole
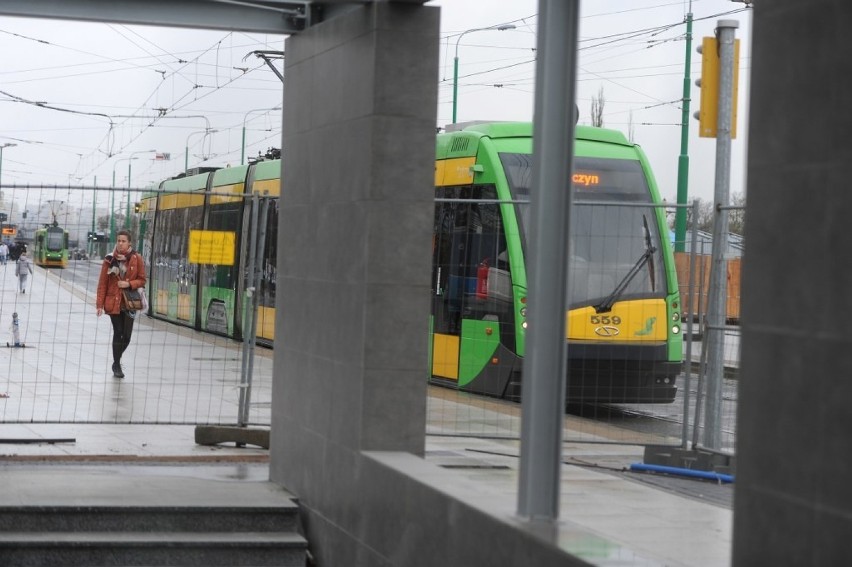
{"points": [[718, 292]]}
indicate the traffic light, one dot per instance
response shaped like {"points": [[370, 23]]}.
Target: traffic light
{"points": [[708, 112], [137, 207]]}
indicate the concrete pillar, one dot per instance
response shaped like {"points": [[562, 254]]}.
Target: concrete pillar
{"points": [[354, 257], [793, 502]]}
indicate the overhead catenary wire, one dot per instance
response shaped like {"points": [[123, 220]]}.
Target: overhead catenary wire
{"points": [[199, 71]]}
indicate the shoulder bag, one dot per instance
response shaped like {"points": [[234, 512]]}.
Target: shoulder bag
{"points": [[131, 299]]}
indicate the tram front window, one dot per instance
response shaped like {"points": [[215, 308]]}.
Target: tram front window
{"points": [[609, 228], [55, 240]]}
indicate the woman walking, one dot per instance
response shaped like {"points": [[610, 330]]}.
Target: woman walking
{"points": [[120, 270], [23, 269]]}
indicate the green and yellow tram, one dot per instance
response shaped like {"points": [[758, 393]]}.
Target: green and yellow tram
{"points": [[210, 297], [623, 323], [51, 247]]}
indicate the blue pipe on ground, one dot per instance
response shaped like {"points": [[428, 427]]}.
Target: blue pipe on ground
{"points": [[706, 475]]}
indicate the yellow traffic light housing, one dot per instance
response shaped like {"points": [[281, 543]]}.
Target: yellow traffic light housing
{"points": [[708, 113]]}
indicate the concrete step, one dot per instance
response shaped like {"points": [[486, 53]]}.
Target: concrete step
{"points": [[93, 549], [64, 518], [123, 515]]}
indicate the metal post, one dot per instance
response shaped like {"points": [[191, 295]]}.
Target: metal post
{"points": [[127, 209], [683, 158], [455, 83], [258, 276], [545, 363], [248, 317], [717, 300], [688, 309], [112, 208], [499, 27], [2, 146], [91, 246]]}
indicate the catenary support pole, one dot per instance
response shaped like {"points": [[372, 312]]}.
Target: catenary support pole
{"points": [[683, 158], [718, 292], [545, 363]]}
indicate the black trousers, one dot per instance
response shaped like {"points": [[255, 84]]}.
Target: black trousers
{"points": [[122, 328]]}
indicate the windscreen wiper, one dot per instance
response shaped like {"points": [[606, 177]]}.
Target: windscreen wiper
{"points": [[605, 306]]}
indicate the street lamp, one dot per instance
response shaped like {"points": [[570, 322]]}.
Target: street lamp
{"points": [[6, 145], [205, 132], [112, 197], [500, 27], [243, 154]]}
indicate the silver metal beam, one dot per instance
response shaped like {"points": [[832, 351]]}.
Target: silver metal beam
{"points": [[284, 18], [545, 364]]}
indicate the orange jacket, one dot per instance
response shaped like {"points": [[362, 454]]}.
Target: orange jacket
{"points": [[109, 294]]}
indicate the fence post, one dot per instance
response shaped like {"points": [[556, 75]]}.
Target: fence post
{"points": [[248, 319], [690, 300], [257, 277]]}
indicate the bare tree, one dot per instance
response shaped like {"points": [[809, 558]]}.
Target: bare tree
{"points": [[104, 221], [736, 217], [707, 213], [597, 109]]}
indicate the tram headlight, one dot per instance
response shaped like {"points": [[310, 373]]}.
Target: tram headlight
{"points": [[523, 311], [524, 325], [675, 329], [675, 316]]}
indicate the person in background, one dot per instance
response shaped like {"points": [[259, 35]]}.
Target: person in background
{"points": [[120, 270], [4, 253], [23, 269]]}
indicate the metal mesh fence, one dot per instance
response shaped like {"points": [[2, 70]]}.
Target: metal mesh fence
{"points": [[56, 357], [60, 370]]}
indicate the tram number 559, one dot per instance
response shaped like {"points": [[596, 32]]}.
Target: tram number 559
{"points": [[605, 320]]}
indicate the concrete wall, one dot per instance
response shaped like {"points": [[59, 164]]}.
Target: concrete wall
{"points": [[356, 223], [793, 502], [349, 393]]}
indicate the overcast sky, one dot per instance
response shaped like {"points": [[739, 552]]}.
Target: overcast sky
{"points": [[81, 100]]}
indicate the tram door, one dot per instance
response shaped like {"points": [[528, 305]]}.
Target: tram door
{"points": [[463, 252]]}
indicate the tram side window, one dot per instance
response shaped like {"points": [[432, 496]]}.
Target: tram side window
{"points": [[171, 264], [267, 283], [223, 217], [469, 250]]}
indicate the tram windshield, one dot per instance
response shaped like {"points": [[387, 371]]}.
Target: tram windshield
{"points": [[55, 240], [614, 244]]}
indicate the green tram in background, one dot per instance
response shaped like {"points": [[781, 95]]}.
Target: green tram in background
{"points": [[623, 331], [50, 248], [209, 297]]}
